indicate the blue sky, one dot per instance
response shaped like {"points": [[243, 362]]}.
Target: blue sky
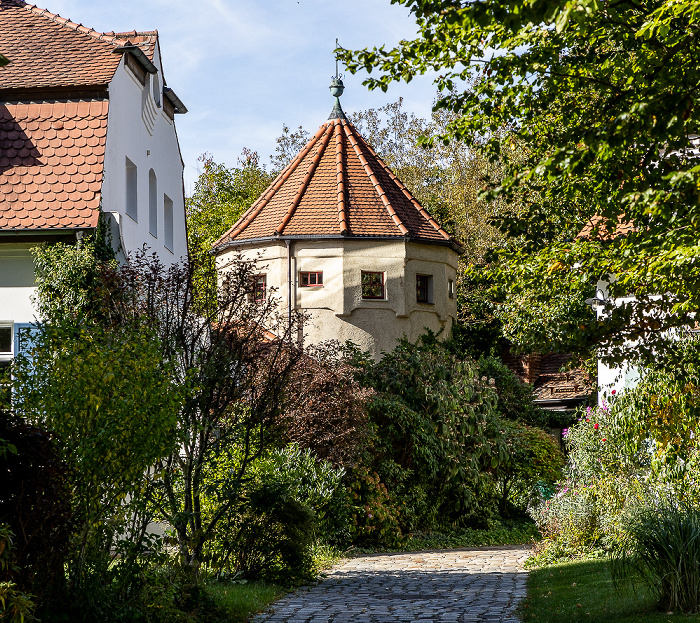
{"points": [[245, 67]]}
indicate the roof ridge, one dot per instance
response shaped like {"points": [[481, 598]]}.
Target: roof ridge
{"points": [[109, 38], [373, 178], [264, 199], [307, 178], [407, 193], [340, 177]]}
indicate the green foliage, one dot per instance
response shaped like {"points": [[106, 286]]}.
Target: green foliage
{"points": [[533, 458], [35, 502], [515, 399], [437, 431], [601, 97], [69, 278], [16, 606], [220, 197], [105, 393], [639, 449], [281, 512], [661, 547]]}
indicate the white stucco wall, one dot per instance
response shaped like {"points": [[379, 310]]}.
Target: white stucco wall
{"points": [[337, 310], [615, 378], [139, 130]]}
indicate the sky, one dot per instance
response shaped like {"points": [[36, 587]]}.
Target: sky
{"points": [[244, 68]]}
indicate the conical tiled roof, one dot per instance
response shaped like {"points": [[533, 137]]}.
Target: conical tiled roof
{"points": [[337, 186]]}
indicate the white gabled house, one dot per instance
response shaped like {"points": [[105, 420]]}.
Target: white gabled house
{"points": [[87, 131]]}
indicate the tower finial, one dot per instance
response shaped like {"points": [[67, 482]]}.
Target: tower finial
{"points": [[337, 87]]}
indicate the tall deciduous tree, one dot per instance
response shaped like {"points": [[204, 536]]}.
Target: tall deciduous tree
{"points": [[602, 97], [220, 196]]}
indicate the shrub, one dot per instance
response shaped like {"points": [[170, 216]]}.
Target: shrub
{"points": [[282, 511], [533, 461], [328, 412], [437, 435], [515, 399], [35, 503], [661, 547], [16, 606]]}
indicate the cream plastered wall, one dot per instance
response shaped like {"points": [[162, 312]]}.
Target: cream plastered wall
{"points": [[336, 310], [16, 283], [139, 129]]}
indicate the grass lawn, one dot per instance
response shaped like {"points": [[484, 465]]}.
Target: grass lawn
{"points": [[240, 601], [514, 532], [583, 591]]}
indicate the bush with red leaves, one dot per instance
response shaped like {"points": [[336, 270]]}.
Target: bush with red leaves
{"points": [[328, 414]]}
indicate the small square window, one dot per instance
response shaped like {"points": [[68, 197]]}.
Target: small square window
{"points": [[372, 285], [424, 288], [311, 280], [259, 287]]}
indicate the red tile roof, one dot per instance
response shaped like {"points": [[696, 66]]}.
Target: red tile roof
{"points": [[48, 50], [598, 229], [336, 186], [51, 164]]}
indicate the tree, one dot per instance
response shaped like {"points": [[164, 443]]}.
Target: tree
{"points": [[232, 356], [601, 97], [220, 197]]}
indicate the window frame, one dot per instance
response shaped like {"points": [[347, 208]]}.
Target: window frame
{"points": [[316, 273], [168, 225], [366, 297], [152, 203], [259, 294], [131, 188], [424, 289], [451, 288]]}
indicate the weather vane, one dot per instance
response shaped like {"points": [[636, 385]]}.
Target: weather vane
{"points": [[337, 45]]}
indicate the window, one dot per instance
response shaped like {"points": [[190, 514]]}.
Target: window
{"points": [[311, 280], [451, 288], [6, 354], [131, 190], [259, 287], [424, 288], [372, 285], [152, 203], [168, 222]]}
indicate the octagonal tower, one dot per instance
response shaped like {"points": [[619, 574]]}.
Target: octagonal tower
{"points": [[339, 236]]}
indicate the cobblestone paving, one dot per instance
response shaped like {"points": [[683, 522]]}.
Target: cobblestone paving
{"points": [[455, 586]]}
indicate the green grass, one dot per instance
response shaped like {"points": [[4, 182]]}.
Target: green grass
{"points": [[583, 591], [240, 601], [508, 533]]}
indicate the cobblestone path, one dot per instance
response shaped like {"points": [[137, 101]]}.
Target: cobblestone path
{"points": [[455, 586]]}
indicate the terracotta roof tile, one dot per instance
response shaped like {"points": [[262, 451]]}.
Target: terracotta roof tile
{"points": [[337, 185], [42, 184], [47, 50]]}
